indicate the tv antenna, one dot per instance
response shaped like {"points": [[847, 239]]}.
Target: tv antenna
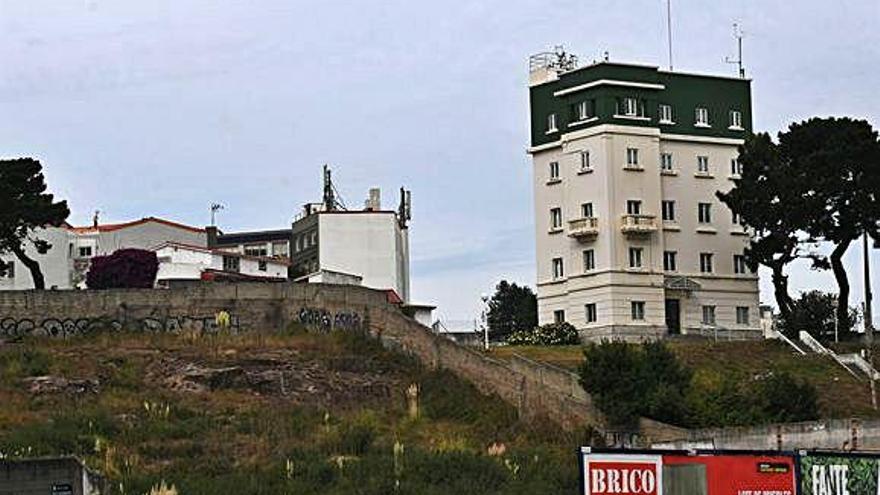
{"points": [[669, 30], [215, 207], [738, 34]]}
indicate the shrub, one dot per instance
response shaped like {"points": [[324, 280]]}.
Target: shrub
{"points": [[628, 381], [551, 334], [124, 269]]}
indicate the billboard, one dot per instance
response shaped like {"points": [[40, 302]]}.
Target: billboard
{"points": [[680, 473], [839, 474]]}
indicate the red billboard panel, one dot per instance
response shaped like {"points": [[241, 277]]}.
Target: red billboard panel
{"points": [[647, 474]]}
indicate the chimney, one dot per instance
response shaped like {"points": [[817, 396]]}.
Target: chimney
{"points": [[212, 236], [374, 202], [95, 219]]}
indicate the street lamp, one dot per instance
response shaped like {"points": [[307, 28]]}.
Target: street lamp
{"points": [[485, 298]]}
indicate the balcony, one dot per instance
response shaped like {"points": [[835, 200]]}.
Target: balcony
{"points": [[584, 229], [638, 225]]}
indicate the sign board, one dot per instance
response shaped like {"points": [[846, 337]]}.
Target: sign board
{"points": [[606, 473], [62, 489], [839, 474]]}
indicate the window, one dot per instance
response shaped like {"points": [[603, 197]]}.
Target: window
{"points": [[631, 107], [703, 164], [665, 112], [634, 207], [551, 123], [635, 257], [554, 171], [85, 251], [736, 119], [590, 312], [314, 238], [705, 262], [262, 265], [584, 110], [555, 218], [298, 244], [632, 157], [702, 117], [669, 264], [735, 167], [559, 316], [708, 315], [668, 210], [585, 160], [231, 264], [637, 308], [704, 212], [587, 210], [742, 315], [666, 162], [735, 218], [739, 264], [10, 269], [255, 250], [280, 248], [557, 269], [589, 260]]}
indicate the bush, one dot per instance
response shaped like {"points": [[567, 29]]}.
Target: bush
{"points": [[628, 381], [124, 269], [551, 334]]}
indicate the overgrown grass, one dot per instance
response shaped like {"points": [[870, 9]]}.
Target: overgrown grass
{"points": [[138, 432]]}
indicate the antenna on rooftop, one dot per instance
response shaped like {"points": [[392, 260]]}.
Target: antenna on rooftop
{"points": [[332, 198], [669, 29], [738, 34], [215, 207]]}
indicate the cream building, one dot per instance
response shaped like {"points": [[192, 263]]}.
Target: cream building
{"points": [[632, 242]]}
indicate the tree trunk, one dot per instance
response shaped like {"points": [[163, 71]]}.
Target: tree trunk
{"points": [[780, 289], [842, 284], [32, 265]]}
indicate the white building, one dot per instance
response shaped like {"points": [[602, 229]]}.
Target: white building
{"points": [[183, 262], [64, 266], [369, 246], [632, 242]]}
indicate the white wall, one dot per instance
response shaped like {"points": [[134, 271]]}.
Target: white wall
{"points": [[181, 263], [55, 264], [368, 244]]}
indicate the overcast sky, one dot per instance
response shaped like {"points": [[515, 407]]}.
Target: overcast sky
{"points": [[160, 107]]}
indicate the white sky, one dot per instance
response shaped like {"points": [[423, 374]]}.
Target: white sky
{"points": [[161, 107]]}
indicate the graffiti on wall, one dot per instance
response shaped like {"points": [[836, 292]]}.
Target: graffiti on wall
{"points": [[70, 327], [323, 320]]}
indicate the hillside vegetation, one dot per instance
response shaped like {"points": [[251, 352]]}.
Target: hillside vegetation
{"points": [[840, 395], [291, 413]]}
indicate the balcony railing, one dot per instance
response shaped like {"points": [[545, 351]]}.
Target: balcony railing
{"points": [[638, 224], [584, 228]]}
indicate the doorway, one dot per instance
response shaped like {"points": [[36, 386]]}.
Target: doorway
{"points": [[673, 316]]}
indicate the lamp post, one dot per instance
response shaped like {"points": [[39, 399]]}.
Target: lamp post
{"points": [[485, 298], [869, 323]]}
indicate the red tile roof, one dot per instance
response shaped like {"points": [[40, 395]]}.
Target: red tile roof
{"points": [[110, 227]]}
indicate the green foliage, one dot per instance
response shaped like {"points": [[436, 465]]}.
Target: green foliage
{"points": [[20, 362], [815, 313], [512, 308], [24, 207], [730, 400], [562, 333], [628, 381]]}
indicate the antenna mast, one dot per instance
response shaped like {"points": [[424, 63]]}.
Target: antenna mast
{"points": [[215, 207], [329, 195], [738, 34], [669, 29]]}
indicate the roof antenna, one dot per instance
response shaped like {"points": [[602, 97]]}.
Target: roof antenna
{"points": [[669, 30], [605, 56], [215, 207], [738, 34], [95, 219]]}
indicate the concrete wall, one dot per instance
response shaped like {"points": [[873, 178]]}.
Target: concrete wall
{"points": [[535, 389], [825, 434], [46, 476]]}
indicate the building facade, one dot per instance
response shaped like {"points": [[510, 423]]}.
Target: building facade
{"points": [[368, 247], [182, 262], [632, 242], [65, 265]]}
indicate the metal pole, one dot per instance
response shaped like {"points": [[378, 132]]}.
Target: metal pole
{"points": [[669, 29], [869, 323]]}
